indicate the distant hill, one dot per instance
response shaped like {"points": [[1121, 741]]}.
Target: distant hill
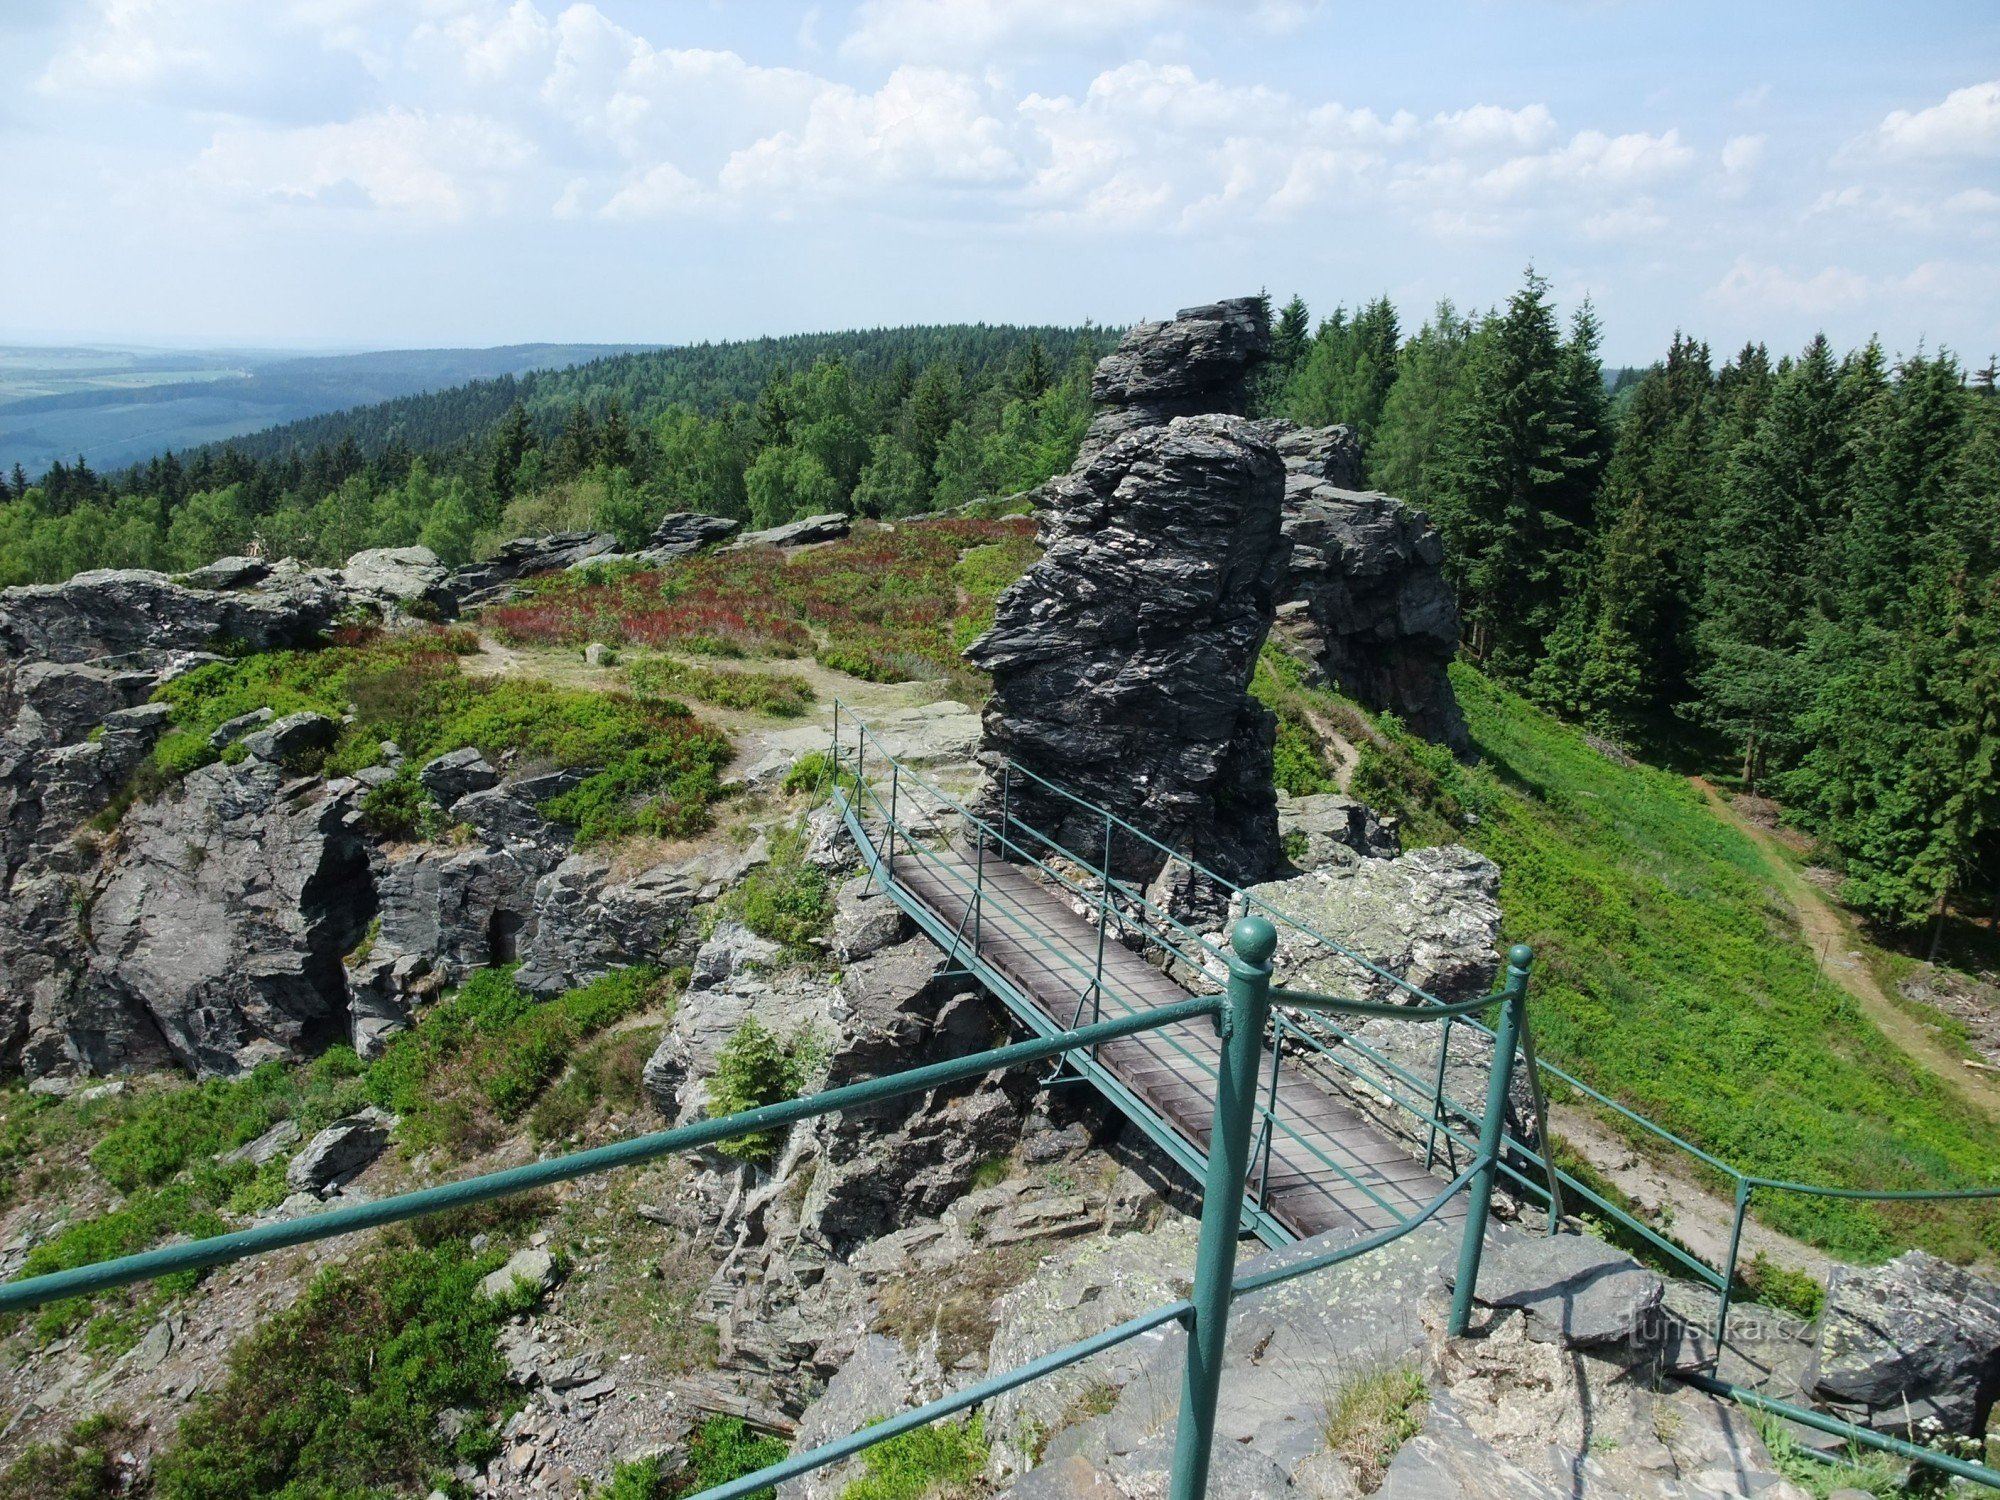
{"points": [[119, 406], [706, 377]]}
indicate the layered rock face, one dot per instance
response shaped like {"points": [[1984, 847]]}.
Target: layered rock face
{"points": [[1120, 661], [1365, 601]]}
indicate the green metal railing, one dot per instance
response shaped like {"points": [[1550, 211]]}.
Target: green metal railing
{"points": [[1240, 1013], [1450, 1126]]}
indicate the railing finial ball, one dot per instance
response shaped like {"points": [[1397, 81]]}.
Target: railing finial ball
{"points": [[1254, 940], [1520, 956]]}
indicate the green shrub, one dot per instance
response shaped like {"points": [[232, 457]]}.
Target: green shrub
{"points": [[608, 1072], [483, 1056], [1764, 1280], [923, 1462], [169, 1130], [82, 1465], [722, 1449], [756, 1068], [788, 899], [778, 694], [339, 1395]]}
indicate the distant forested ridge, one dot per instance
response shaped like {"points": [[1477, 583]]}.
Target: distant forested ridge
{"points": [[1786, 566]]}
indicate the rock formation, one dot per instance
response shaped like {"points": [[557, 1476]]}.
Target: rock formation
{"points": [[1910, 1345], [1121, 659], [1366, 604]]}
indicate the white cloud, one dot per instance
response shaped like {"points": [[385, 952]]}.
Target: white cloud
{"points": [[1752, 287], [985, 30], [923, 129], [1965, 123], [404, 162], [1490, 127], [1742, 154]]}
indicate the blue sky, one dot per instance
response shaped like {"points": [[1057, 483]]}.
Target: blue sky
{"points": [[391, 173]]}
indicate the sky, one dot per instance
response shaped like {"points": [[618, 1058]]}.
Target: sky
{"points": [[418, 173]]}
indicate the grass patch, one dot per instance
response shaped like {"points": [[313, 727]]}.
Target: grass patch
{"points": [[656, 766], [1669, 976], [779, 694], [885, 604], [1859, 1468], [956, 1303], [482, 1057], [719, 1450], [941, 1461], [1369, 1418]]}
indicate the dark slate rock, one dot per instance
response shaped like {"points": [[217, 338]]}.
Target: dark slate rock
{"points": [[524, 557], [1120, 659], [1329, 453], [1914, 1339], [456, 774], [1576, 1290], [586, 925], [291, 738], [143, 618], [1367, 604], [339, 1153], [229, 731], [864, 920], [511, 813], [228, 573], [826, 528], [1201, 362], [217, 935], [399, 578], [688, 531], [58, 703]]}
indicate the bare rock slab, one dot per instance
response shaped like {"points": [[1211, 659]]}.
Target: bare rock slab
{"points": [[1912, 1340]]}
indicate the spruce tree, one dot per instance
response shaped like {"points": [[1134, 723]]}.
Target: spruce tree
{"points": [[1429, 368]]}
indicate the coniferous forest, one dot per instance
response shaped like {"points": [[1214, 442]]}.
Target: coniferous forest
{"points": [[1784, 565]]}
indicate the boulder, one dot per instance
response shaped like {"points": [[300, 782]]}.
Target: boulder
{"points": [[1329, 453], [457, 774], [339, 1153], [1327, 829], [864, 920], [1576, 1290], [58, 703], [1120, 659], [535, 1269], [293, 740], [228, 573], [586, 925], [524, 557], [510, 815], [1367, 606], [229, 731], [731, 949], [1915, 1340], [1431, 917], [274, 1142], [687, 531], [881, 1380], [398, 578], [830, 527]]}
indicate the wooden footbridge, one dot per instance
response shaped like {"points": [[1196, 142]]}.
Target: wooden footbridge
{"points": [[1063, 942]]}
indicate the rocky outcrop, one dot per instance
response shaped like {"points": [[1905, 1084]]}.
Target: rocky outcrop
{"points": [[407, 579], [1332, 454], [1366, 604], [1329, 831], [830, 527], [1911, 1347], [131, 616], [688, 531], [1120, 660], [339, 1152], [586, 924], [1200, 362], [216, 938], [493, 580]]}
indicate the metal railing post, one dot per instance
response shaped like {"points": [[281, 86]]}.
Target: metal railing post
{"points": [[1103, 921], [1743, 1191], [1270, 1119], [1245, 1009], [895, 782], [1550, 1171], [1437, 1100], [1491, 1131]]}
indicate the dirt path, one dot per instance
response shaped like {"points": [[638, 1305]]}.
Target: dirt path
{"points": [[1831, 936]]}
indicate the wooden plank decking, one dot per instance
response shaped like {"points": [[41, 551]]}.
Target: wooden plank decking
{"points": [[1330, 1166]]}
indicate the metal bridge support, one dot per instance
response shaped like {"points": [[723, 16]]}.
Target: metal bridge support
{"points": [[1513, 1011], [1242, 1020]]}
